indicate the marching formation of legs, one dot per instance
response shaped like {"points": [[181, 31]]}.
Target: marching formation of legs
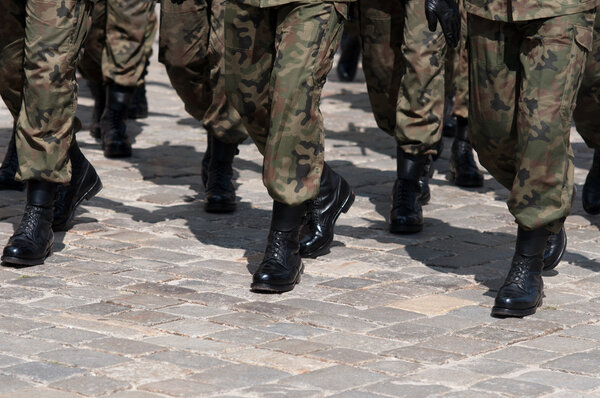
{"points": [[503, 80]]}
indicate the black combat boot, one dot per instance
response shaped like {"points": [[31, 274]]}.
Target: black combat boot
{"points": [[32, 242], [206, 159], [99, 94], [407, 215], [334, 198], [556, 245], [450, 124], [139, 105], [220, 192], [9, 168], [522, 291], [115, 141], [85, 184], [424, 181], [463, 169], [591, 188], [281, 267], [348, 62]]}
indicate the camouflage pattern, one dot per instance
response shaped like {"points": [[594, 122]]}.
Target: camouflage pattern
{"points": [[274, 3], [276, 63], [191, 48], [120, 42], [457, 69], [404, 67], [588, 99], [524, 81], [40, 47], [527, 10]]}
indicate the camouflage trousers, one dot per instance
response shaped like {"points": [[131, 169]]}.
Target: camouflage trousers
{"points": [[40, 42], [404, 67], [276, 62], [191, 48], [120, 42], [524, 81], [457, 69], [588, 99]]}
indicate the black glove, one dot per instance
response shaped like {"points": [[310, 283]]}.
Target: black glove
{"points": [[445, 11], [177, 1]]}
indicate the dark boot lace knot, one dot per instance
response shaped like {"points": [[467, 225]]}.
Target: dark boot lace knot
{"points": [[29, 222]]}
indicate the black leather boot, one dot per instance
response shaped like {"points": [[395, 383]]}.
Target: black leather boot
{"points": [[115, 141], [32, 242], [348, 62], [99, 94], [591, 188], [463, 169], [206, 159], [449, 129], [522, 291], [9, 168], [424, 181], [220, 192], [334, 198], [407, 215], [281, 267], [139, 105], [85, 184], [556, 245]]}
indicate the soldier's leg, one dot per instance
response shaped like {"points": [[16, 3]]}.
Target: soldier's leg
{"points": [[54, 36], [90, 64], [587, 124], [12, 43], [123, 64], [139, 105], [463, 169]]}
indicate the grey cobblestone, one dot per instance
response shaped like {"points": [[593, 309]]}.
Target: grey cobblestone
{"points": [[147, 296]]}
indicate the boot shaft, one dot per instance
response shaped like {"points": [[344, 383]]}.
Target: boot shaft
{"points": [[531, 243], [41, 193], [287, 218]]}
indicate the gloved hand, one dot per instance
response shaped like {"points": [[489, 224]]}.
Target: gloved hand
{"points": [[446, 12], [177, 1]]}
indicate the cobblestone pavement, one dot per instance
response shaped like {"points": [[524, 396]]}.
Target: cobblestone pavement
{"points": [[148, 295]]}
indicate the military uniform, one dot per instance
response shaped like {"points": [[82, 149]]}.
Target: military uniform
{"points": [[526, 64], [457, 70], [40, 43], [277, 56], [404, 67], [191, 47], [120, 42]]}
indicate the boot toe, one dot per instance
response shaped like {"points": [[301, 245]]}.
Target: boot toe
{"points": [[117, 150], [406, 224], [217, 203]]}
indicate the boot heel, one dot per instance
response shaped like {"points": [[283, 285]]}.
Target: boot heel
{"points": [[349, 203]]}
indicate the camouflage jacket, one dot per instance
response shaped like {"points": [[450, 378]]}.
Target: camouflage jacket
{"points": [[273, 3], [526, 10]]}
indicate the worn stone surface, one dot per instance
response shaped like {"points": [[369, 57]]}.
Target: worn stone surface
{"points": [[148, 296]]}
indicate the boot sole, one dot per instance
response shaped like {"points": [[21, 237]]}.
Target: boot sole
{"points": [[93, 191], [219, 208], [452, 178], [268, 288], [117, 155], [324, 249], [405, 229], [27, 262], [501, 312]]}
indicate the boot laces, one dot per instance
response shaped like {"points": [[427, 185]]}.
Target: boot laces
{"points": [[219, 179], [518, 272], [117, 125], [403, 194], [276, 248], [30, 221]]}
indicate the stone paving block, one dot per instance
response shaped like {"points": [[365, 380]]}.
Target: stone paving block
{"points": [[6, 360], [66, 335], [345, 356], [277, 360], [336, 322], [215, 300], [144, 301], [159, 289], [244, 337], [124, 346], [24, 346], [350, 340], [522, 355], [496, 334], [191, 327], [470, 394], [591, 332], [180, 388], [564, 345], [191, 344], [9, 293], [448, 377], [99, 309], [513, 387], [17, 325], [278, 390], [58, 302], [424, 355], [83, 358], [348, 283], [293, 330], [40, 282], [402, 389], [356, 394], [133, 394], [41, 392], [307, 306], [562, 380], [364, 298], [387, 315], [9, 384], [336, 378], [294, 346], [194, 311], [431, 304], [159, 254], [89, 385], [242, 319], [42, 372], [145, 317], [460, 345], [581, 363], [238, 376], [187, 360], [490, 366], [145, 371], [408, 332]]}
